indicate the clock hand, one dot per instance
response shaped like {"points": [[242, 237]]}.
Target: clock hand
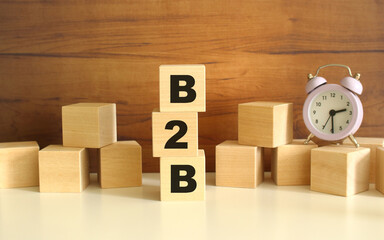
{"points": [[342, 110], [327, 121], [331, 114]]}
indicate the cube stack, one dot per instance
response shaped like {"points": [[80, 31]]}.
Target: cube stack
{"points": [[260, 125], [339, 170], [175, 132], [89, 126]]}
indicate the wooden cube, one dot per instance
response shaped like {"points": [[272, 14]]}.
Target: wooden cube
{"points": [[19, 164], [182, 178], [265, 124], [380, 169], [340, 170], [120, 165], [291, 163], [182, 88], [174, 134], [238, 165], [90, 125], [371, 143], [267, 159], [63, 169]]}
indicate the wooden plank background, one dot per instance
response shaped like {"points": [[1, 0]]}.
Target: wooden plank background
{"points": [[54, 53]]}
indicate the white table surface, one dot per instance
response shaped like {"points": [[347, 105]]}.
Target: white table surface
{"points": [[267, 212]]}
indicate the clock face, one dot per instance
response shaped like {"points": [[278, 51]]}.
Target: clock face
{"points": [[331, 112]]}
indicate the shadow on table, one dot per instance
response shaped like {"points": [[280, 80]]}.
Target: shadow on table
{"points": [[147, 191], [210, 179], [372, 192], [28, 189], [270, 185]]}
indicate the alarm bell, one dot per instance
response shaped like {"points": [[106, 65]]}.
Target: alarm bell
{"points": [[313, 83], [352, 84]]}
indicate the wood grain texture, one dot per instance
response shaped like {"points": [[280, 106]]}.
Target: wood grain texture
{"points": [[380, 169], [54, 53], [340, 170], [267, 155], [89, 125], [238, 165], [121, 165], [265, 124], [291, 163], [373, 144], [94, 160], [63, 169], [19, 164]]}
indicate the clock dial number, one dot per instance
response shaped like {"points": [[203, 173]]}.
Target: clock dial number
{"points": [[331, 112]]}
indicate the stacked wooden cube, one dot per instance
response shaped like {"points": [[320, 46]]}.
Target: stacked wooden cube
{"points": [[263, 128], [175, 132], [340, 170], [65, 168], [239, 163], [269, 125]]}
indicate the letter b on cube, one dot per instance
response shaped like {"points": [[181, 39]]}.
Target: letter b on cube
{"points": [[182, 88], [183, 178]]}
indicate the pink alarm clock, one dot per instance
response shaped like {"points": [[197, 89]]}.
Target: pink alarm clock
{"points": [[333, 112]]}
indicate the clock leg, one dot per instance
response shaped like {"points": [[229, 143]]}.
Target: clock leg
{"points": [[310, 136], [353, 140]]}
